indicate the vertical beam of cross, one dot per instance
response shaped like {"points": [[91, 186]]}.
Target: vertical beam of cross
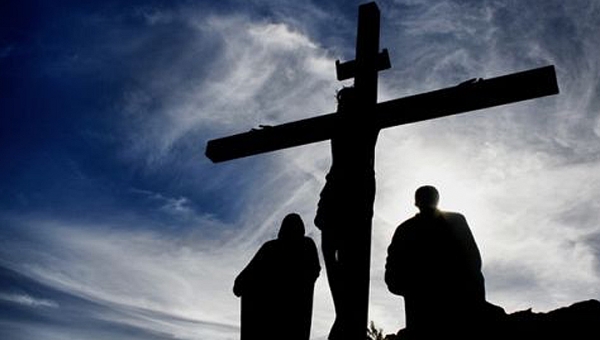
{"points": [[357, 225], [367, 51]]}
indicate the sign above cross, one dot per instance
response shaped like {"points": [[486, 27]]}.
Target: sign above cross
{"points": [[468, 96]]}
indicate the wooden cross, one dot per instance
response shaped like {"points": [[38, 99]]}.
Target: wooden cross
{"points": [[468, 96]]}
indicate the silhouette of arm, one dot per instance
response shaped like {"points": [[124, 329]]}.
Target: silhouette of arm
{"points": [[470, 256], [396, 266], [467, 242]]}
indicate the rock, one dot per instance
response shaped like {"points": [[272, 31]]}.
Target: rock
{"points": [[579, 321]]}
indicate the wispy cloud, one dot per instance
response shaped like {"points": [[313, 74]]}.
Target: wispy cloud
{"points": [[256, 73], [148, 280], [27, 300]]}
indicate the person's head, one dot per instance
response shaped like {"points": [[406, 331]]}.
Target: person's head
{"points": [[346, 98], [427, 198], [292, 227]]}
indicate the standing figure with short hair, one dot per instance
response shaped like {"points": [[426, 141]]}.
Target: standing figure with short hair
{"points": [[434, 263]]}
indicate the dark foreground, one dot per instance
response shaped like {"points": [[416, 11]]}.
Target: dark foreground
{"points": [[580, 321]]}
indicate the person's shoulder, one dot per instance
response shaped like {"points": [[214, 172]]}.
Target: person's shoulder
{"points": [[271, 244], [308, 241], [452, 216], [407, 224]]}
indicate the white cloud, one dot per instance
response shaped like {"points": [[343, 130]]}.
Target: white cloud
{"points": [[29, 301], [279, 36]]}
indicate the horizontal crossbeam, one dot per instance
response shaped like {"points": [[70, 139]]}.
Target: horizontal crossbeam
{"points": [[454, 100]]}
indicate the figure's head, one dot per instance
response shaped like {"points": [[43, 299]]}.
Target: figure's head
{"points": [[427, 198], [292, 227], [346, 98]]}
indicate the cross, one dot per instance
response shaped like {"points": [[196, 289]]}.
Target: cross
{"points": [[468, 96]]}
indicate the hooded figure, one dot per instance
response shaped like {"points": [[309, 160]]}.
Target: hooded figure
{"points": [[277, 285]]}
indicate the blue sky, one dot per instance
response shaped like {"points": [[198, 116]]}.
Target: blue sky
{"points": [[114, 225]]}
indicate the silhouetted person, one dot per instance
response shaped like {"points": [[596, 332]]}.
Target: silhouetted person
{"points": [[277, 286], [345, 208], [434, 263]]}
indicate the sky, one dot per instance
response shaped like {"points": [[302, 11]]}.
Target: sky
{"points": [[113, 223]]}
